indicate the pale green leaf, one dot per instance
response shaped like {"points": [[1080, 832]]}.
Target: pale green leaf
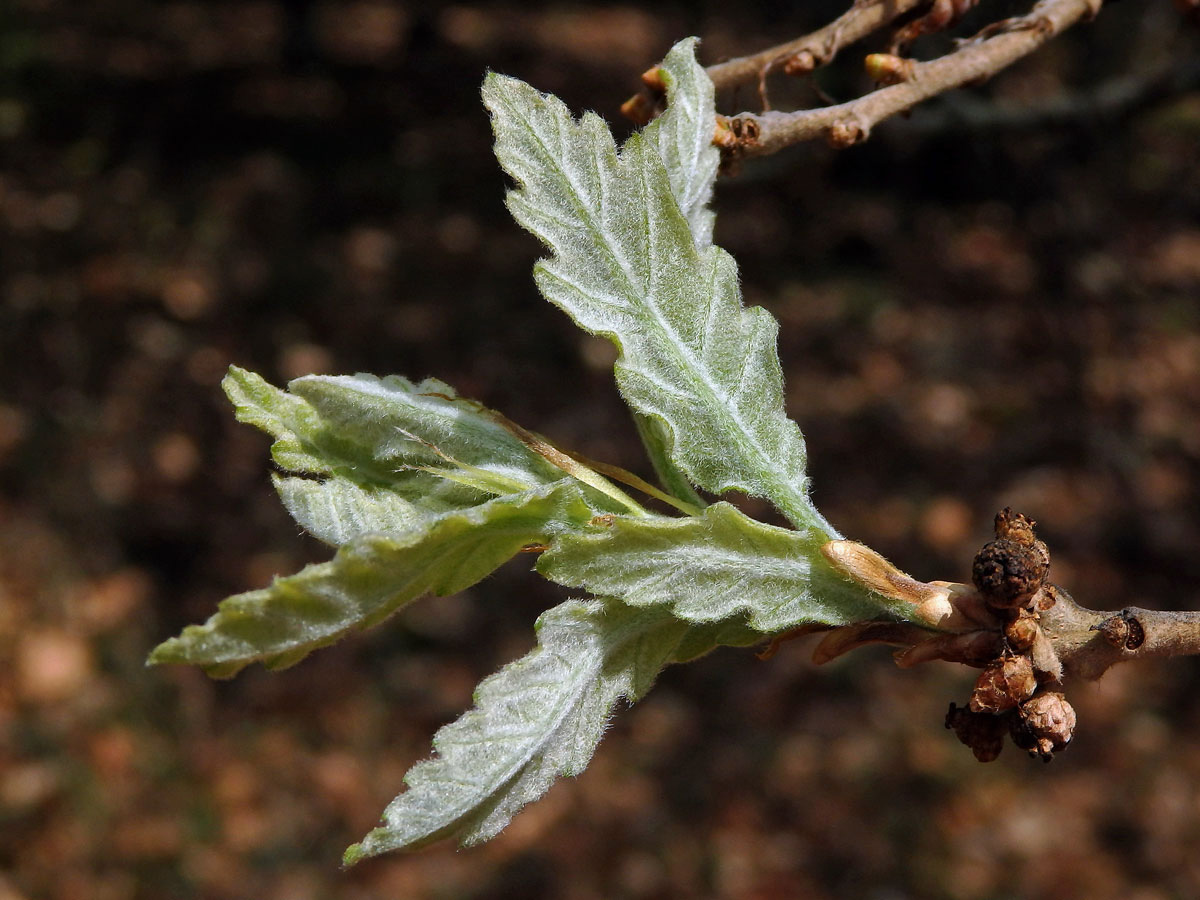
{"points": [[657, 440], [712, 567], [625, 265], [402, 424], [289, 420], [338, 510], [535, 720], [369, 579], [365, 454]]}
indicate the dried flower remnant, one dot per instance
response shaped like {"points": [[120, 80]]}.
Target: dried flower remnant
{"points": [[995, 625], [1044, 725], [1004, 684], [983, 733], [1010, 570], [1010, 574]]}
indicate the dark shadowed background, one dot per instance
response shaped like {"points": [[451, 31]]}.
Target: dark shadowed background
{"points": [[1004, 313]]}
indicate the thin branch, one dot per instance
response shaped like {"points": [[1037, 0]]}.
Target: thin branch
{"points": [[848, 123], [1086, 643], [1090, 642], [807, 53], [1026, 634], [797, 57]]}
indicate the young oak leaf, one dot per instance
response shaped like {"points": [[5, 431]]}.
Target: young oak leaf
{"points": [[365, 454], [426, 424], [713, 567], [369, 579], [625, 265], [537, 719]]}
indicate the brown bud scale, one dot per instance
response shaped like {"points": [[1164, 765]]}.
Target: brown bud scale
{"points": [[1115, 630], [1021, 632], [1122, 631], [1010, 570], [638, 109], [653, 79], [1044, 725], [983, 733], [1004, 684]]}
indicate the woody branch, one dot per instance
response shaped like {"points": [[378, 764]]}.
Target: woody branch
{"points": [[1089, 642], [1026, 634], [807, 53], [749, 134]]}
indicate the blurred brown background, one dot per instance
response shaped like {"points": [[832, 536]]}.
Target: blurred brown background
{"points": [[973, 315]]}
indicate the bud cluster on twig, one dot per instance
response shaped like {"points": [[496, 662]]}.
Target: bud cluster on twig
{"points": [[1017, 692], [1027, 636]]}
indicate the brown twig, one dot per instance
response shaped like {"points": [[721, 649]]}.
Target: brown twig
{"points": [[1090, 642], [1086, 642], [1026, 634], [851, 122], [807, 53], [796, 57]]}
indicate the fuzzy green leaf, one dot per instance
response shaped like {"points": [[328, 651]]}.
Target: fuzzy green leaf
{"points": [[535, 720], [626, 265], [369, 579], [712, 567], [403, 424], [337, 510], [366, 454]]}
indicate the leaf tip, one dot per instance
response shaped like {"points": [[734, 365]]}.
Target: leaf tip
{"points": [[237, 378], [177, 651], [165, 653], [494, 85], [354, 854]]}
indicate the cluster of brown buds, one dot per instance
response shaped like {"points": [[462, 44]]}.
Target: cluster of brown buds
{"points": [[995, 625], [1016, 694]]}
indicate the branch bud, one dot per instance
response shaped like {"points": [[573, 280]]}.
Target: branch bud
{"points": [[1122, 631], [983, 733], [1022, 631], [1004, 684], [1045, 725], [800, 63], [1011, 569], [840, 135], [887, 68]]}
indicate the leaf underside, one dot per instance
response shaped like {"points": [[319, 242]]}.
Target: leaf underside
{"points": [[537, 719], [369, 579], [633, 261]]}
